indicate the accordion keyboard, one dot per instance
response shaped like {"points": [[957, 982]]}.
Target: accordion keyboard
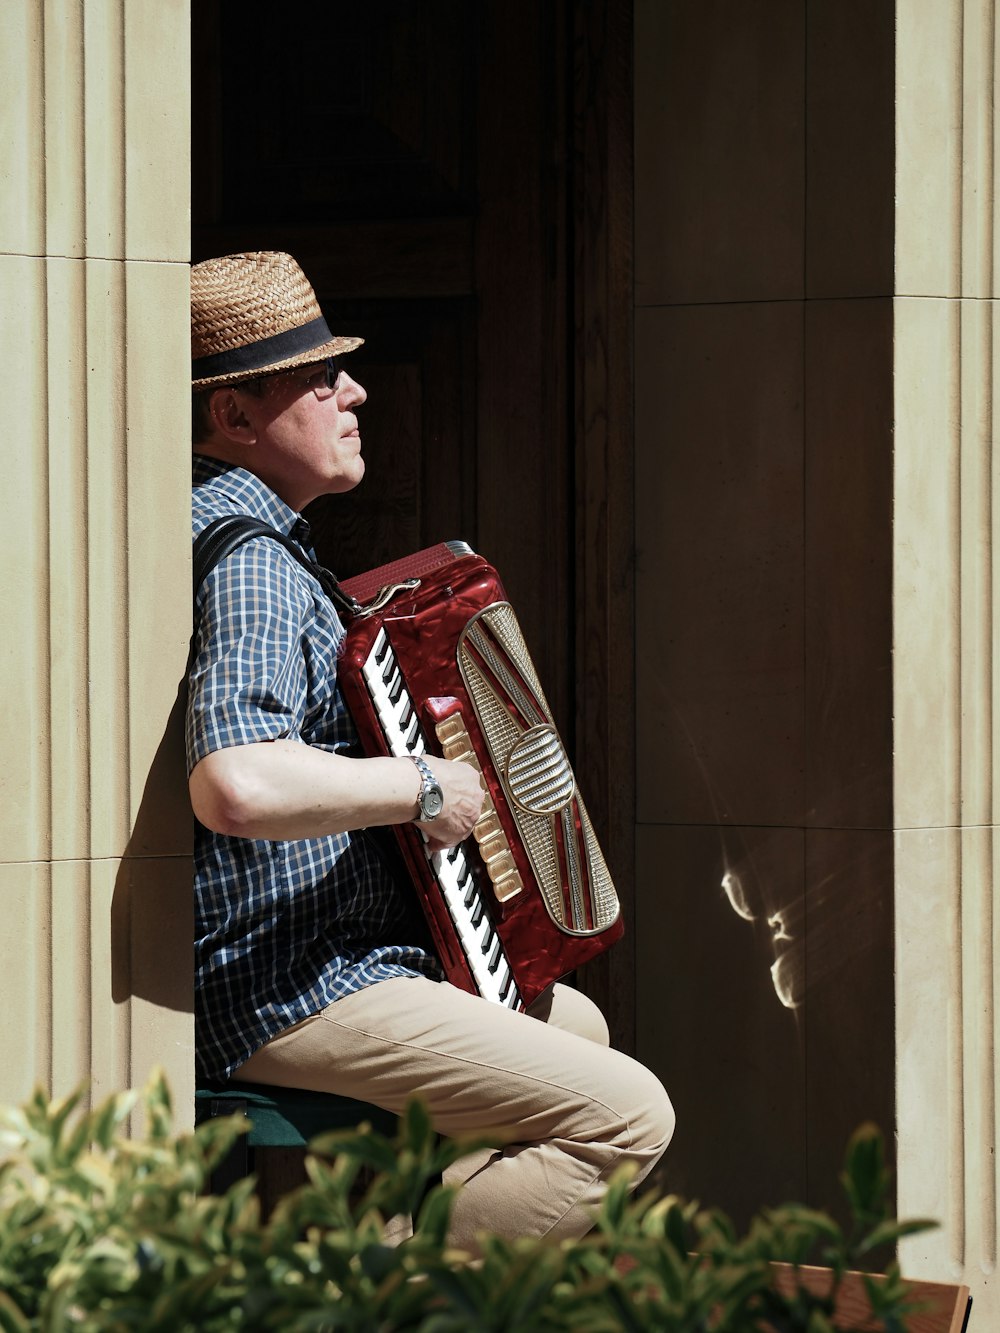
{"points": [[473, 924]]}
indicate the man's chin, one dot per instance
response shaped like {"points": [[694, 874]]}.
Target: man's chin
{"points": [[349, 479]]}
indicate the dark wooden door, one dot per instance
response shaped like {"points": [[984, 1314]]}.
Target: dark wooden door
{"points": [[441, 169], [410, 156]]}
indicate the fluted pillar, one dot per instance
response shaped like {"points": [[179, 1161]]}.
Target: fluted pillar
{"points": [[945, 637], [95, 865]]}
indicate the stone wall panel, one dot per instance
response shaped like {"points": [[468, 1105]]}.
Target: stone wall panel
{"points": [[95, 541]]}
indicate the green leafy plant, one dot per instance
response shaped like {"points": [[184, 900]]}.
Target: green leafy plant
{"points": [[103, 1232]]}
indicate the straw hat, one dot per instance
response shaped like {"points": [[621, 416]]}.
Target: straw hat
{"points": [[253, 314]]}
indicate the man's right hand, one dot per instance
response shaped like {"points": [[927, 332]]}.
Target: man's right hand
{"points": [[462, 786]]}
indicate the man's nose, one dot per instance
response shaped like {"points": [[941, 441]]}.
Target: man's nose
{"points": [[351, 392]]}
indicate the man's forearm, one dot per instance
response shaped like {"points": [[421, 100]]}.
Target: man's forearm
{"points": [[280, 790]]}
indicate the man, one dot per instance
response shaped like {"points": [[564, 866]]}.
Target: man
{"points": [[313, 968]]}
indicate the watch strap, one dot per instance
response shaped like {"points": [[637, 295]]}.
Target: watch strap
{"points": [[428, 782]]}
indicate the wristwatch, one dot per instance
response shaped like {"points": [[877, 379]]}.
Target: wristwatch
{"points": [[431, 798]]}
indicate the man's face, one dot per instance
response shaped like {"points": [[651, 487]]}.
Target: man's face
{"points": [[307, 441]]}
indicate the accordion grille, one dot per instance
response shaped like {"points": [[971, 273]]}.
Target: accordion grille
{"points": [[605, 900], [528, 754]]}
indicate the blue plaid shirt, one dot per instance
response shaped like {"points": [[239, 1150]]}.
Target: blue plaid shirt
{"points": [[282, 928]]}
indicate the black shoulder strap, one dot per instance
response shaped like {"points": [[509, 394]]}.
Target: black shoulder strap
{"points": [[223, 535], [220, 538]]}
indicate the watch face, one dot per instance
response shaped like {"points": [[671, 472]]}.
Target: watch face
{"points": [[432, 802]]}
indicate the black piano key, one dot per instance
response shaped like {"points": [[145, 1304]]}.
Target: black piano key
{"points": [[388, 668], [413, 735], [505, 985], [486, 937], [494, 960], [381, 649], [470, 892], [405, 715], [477, 913], [396, 689]]}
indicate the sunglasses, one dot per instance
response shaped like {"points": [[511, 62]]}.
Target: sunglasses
{"points": [[323, 381]]}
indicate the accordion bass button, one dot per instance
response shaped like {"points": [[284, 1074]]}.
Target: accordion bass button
{"points": [[451, 729], [505, 886], [460, 752], [493, 846], [500, 864], [495, 851], [488, 824]]}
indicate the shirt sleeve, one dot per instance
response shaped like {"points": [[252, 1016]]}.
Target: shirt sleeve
{"points": [[249, 676]]}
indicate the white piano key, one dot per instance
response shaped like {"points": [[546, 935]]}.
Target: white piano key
{"points": [[473, 925]]}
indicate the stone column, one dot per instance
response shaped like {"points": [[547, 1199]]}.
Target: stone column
{"points": [[94, 834], [945, 626]]}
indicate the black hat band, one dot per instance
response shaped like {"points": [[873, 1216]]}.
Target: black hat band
{"points": [[265, 353]]}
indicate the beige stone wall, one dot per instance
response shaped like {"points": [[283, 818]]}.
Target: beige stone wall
{"points": [[945, 625], [95, 866]]}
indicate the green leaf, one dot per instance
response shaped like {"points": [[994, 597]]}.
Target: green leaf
{"points": [[158, 1106], [417, 1128], [819, 1323], [363, 1145], [52, 1117], [616, 1199], [890, 1231], [107, 1119], [864, 1176], [12, 1320], [212, 1139], [433, 1219], [464, 1289], [378, 1261]]}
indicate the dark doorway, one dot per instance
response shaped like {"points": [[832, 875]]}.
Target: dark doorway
{"points": [[455, 179]]}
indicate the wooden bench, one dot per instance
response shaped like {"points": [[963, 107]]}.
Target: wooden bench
{"points": [[945, 1307]]}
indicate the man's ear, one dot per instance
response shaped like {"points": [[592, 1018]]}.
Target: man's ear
{"points": [[229, 417]]}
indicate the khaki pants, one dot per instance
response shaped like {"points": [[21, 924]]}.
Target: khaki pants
{"points": [[546, 1084]]}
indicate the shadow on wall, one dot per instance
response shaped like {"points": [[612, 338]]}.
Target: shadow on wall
{"points": [[152, 910], [819, 919], [765, 995]]}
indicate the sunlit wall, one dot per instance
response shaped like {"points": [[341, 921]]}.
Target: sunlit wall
{"points": [[94, 837]]}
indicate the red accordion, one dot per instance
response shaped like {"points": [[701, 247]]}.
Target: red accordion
{"points": [[435, 663]]}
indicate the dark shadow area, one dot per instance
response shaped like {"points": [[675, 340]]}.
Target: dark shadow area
{"points": [[152, 910]]}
